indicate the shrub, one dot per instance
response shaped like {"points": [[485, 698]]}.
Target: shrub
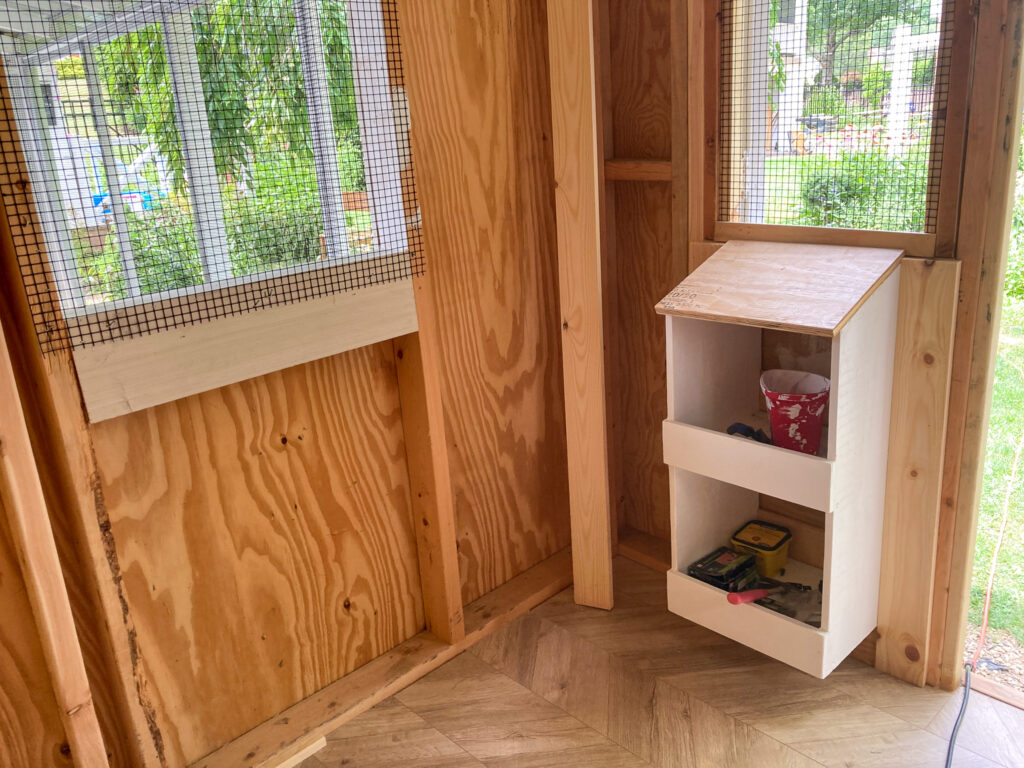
{"points": [[866, 190], [923, 72], [71, 68], [877, 84]]}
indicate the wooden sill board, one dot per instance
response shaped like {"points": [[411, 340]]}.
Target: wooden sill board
{"points": [[304, 723], [811, 289]]}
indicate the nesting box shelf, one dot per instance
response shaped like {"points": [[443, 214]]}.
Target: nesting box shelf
{"points": [[715, 323]]}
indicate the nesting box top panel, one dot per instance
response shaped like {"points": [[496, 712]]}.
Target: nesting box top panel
{"points": [[810, 289]]}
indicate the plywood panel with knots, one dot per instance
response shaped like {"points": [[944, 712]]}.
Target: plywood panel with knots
{"points": [[484, 169], [265, 540]]}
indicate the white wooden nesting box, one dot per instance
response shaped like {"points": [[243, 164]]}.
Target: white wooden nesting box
{"points": [[715, 320]]}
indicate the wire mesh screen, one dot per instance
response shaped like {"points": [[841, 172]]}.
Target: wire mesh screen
{"points": [[828, 112], [173, 161]]}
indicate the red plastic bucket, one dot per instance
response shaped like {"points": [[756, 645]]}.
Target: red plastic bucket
{"points": [[796, 408]]}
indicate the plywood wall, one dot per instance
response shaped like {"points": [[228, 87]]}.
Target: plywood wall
{"points": [[478, 92], [641, 110], [31, 732], [264, 538]]}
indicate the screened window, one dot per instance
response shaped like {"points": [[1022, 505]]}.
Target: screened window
{"points": [[828, 113], [195, 159]]}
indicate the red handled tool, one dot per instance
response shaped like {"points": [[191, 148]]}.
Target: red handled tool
{"points": [[770, 587]]}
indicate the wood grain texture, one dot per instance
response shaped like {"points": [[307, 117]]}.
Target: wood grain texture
{"points": [[52, 402], [638, 170], [917, 244], [430, 485], [31, 732], [644, 226], [484, 169], [28, 525], [578, 140], [811, 289], [155, 368], [924, 347], [641, 78], [988, 180], [306, 721], [264, 536], [641, 106]]}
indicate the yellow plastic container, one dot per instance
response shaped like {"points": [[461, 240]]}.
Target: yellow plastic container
{"points": [[767, 542]]}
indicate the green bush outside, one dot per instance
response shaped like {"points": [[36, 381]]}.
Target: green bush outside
{"points": [[865, 190], [275, 223]]}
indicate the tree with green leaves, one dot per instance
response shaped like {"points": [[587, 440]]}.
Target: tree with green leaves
{"points": [[831, 24], [252, 79]]}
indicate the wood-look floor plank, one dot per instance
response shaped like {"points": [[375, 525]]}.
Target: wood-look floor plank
{"points": [[491, 716], [908, 749], [918, 706], [597, 756], [570, 686], [990, 728], [420, 748]]}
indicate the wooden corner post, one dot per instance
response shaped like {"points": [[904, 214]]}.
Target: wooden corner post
{"points": [[577, 137]]}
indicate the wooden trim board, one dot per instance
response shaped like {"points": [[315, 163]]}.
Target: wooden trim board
{"points": [[577, 134], [924, 357], [643, 548], [31, 531], [914, 243], [304, 723], [990, 163], [131, 374], [638, 170]]}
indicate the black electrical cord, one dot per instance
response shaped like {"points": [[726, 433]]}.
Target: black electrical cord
{"points": [[959, 718]]}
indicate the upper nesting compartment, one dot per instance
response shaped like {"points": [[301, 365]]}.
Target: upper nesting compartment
{"points": [[811, 289]]}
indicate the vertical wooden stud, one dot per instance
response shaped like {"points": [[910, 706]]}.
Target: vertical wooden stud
{"points": [[578, 133], [37, 555], [924, 344], [433, 507], [984, 226]]}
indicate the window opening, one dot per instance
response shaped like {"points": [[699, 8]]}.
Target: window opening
{"points": [[827, 113], [191, 159]]}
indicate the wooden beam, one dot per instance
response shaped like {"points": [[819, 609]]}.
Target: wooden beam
{"points": [[990, 163], [53, 405], [29, 523], [915, 244], [430, 486], [304, 723], [637, 170], [680, 171], [924, 347], [577, 134], [643, 548]]}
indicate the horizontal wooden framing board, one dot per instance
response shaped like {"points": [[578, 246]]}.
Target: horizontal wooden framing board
{"points": [[131, 374], [305, 722], [638, 170], [914, 243]]}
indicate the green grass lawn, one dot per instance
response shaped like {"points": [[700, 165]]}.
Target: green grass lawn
{"points": [[1004, 464]]}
